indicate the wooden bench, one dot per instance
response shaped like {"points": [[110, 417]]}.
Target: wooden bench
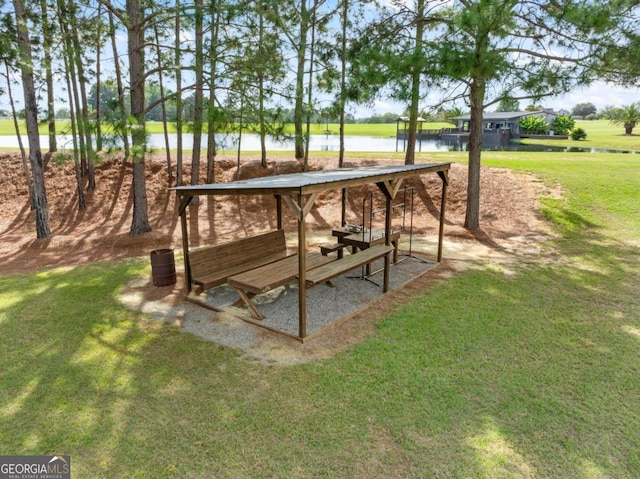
{"points": [[270, 276], [213, 265], [324, 273]]}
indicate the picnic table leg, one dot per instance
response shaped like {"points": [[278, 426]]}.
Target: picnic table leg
{"points": [[385, 282], [367, 267], [238, 303], [252, 307]]}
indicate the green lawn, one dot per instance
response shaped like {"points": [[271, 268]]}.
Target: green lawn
{"points": [[600, 135], [531, 373]]}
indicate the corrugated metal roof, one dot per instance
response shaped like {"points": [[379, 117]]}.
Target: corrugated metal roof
{"points": [[307, 182], [501, 116]]}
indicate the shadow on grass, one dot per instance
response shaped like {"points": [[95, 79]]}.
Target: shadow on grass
{"points": [[532, 374], [499, 375]]}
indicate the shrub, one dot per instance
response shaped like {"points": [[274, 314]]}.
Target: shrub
{"points": [[578, 134], [562, 125], [534, 125]]}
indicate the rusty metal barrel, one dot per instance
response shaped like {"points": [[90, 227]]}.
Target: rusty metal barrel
{"points": [[163, 267]]}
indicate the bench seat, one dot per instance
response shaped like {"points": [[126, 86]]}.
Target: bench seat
{"points": [[328, 271]]}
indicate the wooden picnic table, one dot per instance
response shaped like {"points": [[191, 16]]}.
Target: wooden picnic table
{"points": [[265, 278], [362, 240], [300, 191]]}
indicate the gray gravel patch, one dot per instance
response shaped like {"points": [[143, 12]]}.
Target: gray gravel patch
{"points": [[325, 305]]}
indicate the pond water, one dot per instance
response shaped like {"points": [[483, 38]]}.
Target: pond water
{"points": [[251, 142]]}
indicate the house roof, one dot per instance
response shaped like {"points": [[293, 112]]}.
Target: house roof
{"points": [[502, 115]]}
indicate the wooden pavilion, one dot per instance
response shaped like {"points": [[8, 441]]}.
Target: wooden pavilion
{"points": [[299, 191]]}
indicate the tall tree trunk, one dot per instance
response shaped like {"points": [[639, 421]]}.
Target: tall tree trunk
{"points": [[343, 103], [240, 134], [262, 123], [121, 103], [212, 149], [307, 134], [65, 12], [74, 136], [135, 35], [261, 93], [83, 106], [165, 124], [299, 92], [16, 127], [98, 79], [410, 153], [198, 94], [178, 62], [476, 98], [31, 116], [46, 44], [343, 81]]}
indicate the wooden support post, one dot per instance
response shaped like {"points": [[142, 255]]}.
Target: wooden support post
{"points": [[302, 272], [443, 203], [184, 202], [387, 241], [390, 190], [301, 207], [279, 210], [343, 208]]}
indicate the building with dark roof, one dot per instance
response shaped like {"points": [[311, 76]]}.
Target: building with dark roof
{"points": [[504, 122]]}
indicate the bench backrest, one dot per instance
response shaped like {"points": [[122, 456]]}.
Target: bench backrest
{"points": [[208, 260]]}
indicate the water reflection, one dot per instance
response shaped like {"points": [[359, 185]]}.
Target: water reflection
{"points": [[251, 143]]}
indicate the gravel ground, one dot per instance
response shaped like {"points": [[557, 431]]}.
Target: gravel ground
{"points": [[362, 301], [325, 305]]}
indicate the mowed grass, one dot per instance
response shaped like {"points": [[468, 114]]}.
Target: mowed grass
{"points": [[601, 135], [524, 371]]}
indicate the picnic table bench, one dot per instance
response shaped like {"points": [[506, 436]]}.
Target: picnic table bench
{"points": [[270, 276], [362, 240], [324, 273], [212, 265], [319, 269]]}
